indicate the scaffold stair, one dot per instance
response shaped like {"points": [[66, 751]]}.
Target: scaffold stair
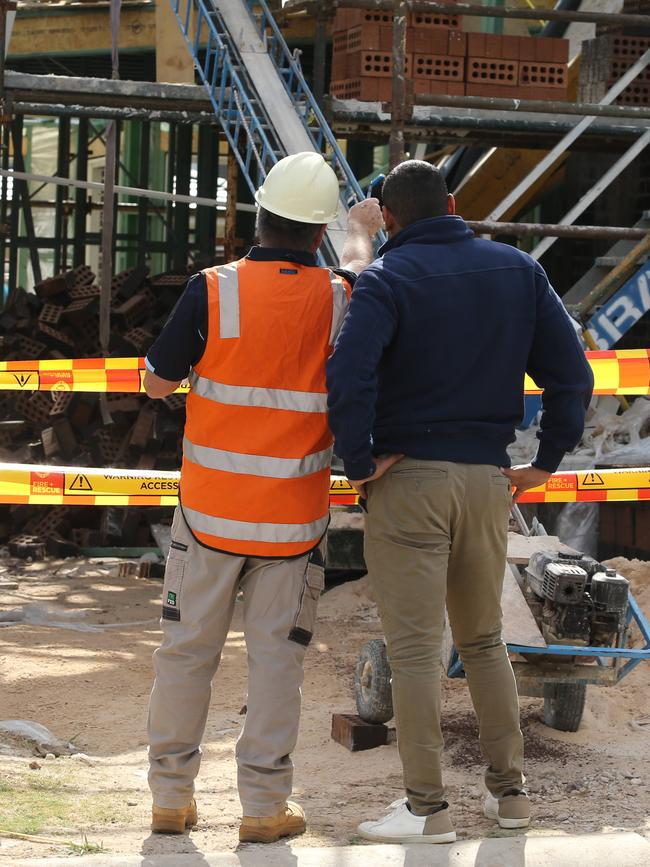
{"points": [[260, 96]]}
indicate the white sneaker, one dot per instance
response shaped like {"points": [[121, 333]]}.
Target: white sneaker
{"points": [[510, 811], [399, 825]]}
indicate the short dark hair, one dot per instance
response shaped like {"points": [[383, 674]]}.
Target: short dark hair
{"points": [[274, 231], [415, 190]]}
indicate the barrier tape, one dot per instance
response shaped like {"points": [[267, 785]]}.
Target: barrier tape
{"points": [[616, 371], [84, 486]]}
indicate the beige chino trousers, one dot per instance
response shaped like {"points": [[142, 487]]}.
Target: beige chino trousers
{"points": [[280, 598], [436, 533]]}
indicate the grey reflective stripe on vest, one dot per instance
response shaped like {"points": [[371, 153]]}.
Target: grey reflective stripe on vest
{"points": [[256, 465], [251, 395], [228, 301], [246, 531], [339, 306]]}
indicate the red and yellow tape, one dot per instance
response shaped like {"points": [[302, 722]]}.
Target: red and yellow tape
{"points": [[85, 486], [616, 371]]}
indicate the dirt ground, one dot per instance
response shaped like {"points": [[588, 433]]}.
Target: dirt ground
{"points": [[92, 688]]}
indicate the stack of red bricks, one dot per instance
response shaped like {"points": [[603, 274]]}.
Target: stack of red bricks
{"points": [[604, 61], [523, 67], [362, 59], [442, 59]]}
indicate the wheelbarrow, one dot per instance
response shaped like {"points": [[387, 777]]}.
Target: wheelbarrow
{"points": [[551, 593]]}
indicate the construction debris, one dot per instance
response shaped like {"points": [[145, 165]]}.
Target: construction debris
{"points": [[19, 735], [61, 320]]}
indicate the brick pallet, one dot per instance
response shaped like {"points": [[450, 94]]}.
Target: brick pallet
{"points": [[605, 59], [67, 428], [440, 58]]}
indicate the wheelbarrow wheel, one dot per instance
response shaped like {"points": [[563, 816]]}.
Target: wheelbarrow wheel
{"points": [[563, 705], [372, 683]]}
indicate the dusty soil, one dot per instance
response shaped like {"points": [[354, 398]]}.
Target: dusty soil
{"points": [[92, 688]]}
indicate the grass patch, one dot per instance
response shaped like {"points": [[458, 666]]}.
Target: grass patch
{"points": [[48, 800]]}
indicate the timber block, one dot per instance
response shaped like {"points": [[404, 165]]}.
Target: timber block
{"points": [[356, 734]]}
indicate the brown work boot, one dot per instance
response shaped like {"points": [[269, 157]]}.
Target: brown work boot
{"points": [[267, 829], [173, 821]]}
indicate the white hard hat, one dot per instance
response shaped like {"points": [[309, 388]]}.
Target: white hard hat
{"points": [[301, 187]]}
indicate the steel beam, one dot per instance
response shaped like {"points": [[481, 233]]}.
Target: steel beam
{"points": [[540, 230], [540, 106], [624, 19], [81, 204]]}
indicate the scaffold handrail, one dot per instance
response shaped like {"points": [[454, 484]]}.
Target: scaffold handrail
{"points": [[307, 108], [229, 97]]}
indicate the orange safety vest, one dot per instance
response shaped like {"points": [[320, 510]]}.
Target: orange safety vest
{"points": [[257, 447]]}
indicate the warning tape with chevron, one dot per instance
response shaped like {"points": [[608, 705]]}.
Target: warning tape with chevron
{"points": [[616, 371], [84, 486]]}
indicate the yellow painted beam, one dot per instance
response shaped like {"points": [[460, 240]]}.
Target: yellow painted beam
{"points": [[81, 30]]}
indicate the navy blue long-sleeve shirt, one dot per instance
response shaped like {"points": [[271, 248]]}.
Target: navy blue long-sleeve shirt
{"points": [[431, 358]]}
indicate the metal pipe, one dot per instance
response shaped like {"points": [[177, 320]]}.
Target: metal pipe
{"points": [[396, 140], [626, 19], [493, 103], [320, 39], [542, 230], [47, 109], [127, 191]]}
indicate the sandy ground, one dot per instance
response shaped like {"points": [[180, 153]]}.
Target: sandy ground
{"points": [[92, 687]]}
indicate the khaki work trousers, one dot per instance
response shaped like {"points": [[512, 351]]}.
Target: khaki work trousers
{"points": [[280, 598], [436, 532]]}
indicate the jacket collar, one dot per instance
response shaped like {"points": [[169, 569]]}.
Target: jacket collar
{"points": [[434, 230], [278, 254]]}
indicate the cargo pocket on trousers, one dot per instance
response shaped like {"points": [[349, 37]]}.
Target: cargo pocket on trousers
{"points": [[173, 583], [312, 587]]}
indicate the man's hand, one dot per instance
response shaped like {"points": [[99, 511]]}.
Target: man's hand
{"points": [[364, 221], [381, 465], [524, 477], [367, 215]]}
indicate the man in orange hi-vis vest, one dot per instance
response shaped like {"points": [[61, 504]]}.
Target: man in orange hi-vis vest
{"points": [[253, 337]]}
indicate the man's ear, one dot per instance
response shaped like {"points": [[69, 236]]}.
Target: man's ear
{"points": [[318, 238], [391, 224], [451, 205]]}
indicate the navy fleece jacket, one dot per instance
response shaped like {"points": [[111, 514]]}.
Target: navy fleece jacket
{"points": [[431, 357]]}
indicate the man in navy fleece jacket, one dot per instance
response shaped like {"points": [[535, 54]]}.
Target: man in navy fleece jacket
{"points": [[425, 390]]}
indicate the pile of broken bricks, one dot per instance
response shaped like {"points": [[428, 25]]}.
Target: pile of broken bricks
{"points": [[60, 320]]}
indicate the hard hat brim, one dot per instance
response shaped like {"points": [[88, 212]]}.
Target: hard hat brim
{"points": [[279, 212]]}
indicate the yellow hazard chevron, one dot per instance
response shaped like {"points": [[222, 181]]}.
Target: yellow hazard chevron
{"points": [[616, 371], [85, 486]]}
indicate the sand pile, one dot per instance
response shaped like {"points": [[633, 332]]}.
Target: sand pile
{"points": [[638, 574], [348, 601]]}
